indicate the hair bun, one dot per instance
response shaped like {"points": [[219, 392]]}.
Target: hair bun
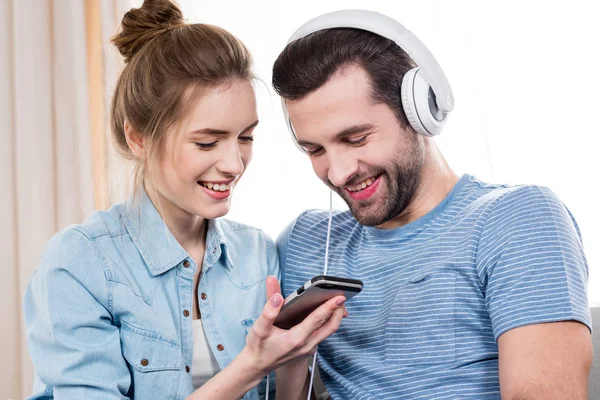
{"points": [[140, 25]]}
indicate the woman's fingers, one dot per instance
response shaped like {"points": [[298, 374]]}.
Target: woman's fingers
{"points": [[301, 339], [319, 317], [272, 285], [264, 324], [328, 328]]}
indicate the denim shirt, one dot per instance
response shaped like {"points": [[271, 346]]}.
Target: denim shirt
{"points": [[108, 311]]}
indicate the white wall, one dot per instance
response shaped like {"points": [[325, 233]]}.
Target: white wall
{"points": [[525, 78]]}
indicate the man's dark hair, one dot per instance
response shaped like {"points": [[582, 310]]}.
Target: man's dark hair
{"points": [[308, 63]]}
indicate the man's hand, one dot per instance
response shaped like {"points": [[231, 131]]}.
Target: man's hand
{"points": [[545, 361]]}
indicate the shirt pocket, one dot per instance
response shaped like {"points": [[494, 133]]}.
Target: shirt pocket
{"points": [[154, 362], [248, 278], [247, 323], [421, 326]]}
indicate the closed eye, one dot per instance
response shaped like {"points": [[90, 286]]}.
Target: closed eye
{"points": [[246, 139], [206, 146], [313, 152], [357, 142]]}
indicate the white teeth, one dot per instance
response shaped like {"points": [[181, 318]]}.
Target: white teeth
{"points": [[217, 187], [361, 186]]}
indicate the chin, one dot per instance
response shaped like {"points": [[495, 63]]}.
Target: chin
{"points": [[368, 218], [214, 211], [370, 213]]}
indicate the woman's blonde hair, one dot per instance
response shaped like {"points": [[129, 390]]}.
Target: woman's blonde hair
{"points": [[168, 65]]}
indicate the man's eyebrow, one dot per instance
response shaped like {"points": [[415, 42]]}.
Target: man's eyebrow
{"points": [[213, 131], [347, 131], [354, 129]]}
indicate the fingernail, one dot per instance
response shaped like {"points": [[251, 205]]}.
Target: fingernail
{"points": [[345, 313], [276, 300], [340, 301]]}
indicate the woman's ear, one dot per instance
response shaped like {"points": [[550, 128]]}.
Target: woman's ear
{"points": [[135, 141]]}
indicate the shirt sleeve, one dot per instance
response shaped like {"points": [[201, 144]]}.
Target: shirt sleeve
{"points": [[530, 257], [75, 348]]}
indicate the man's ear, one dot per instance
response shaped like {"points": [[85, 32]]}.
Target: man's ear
{"points": [[134, 141]]}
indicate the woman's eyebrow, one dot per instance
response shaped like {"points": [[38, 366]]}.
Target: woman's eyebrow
{"points": [[214, 131]]}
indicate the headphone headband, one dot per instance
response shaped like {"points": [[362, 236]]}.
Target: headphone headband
{"points": [[389, 28]]}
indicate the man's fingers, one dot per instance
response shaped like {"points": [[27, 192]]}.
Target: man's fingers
{"points": [[264, 323]]}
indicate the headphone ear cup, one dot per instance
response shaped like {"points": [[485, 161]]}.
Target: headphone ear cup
{"points": [[418, 101]]}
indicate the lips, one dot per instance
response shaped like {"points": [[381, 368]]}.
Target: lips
{"points": [[216, 186], [364, 190], [364, 184], [218, 190]]}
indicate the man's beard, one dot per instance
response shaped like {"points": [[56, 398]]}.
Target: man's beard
{"points": [[401, 180]]}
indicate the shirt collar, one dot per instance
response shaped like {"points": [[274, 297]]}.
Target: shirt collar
{"points": [[157, 245], [216, 244]]}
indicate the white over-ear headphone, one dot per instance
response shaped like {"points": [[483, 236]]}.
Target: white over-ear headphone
{"points": [[426, 94]]}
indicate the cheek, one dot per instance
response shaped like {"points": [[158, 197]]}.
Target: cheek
{"points": [[163, 168], [191, 163], [319, 165], [246, 154], [378, 153]]}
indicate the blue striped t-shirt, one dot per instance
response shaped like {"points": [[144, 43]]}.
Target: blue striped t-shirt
{"points": [[441, 290]]}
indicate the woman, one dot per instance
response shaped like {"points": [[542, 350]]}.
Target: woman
{"points": [[158, 297]]}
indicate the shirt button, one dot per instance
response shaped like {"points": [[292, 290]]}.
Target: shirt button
{"points": [[203, 296], [187, 369], [186, 264], [220, 347], [144, 362], [186, 313], [215, 250]]}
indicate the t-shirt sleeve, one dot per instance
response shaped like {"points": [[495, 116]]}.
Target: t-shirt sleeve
{"points": [[282, 247], [272, 257], [530, 257]]}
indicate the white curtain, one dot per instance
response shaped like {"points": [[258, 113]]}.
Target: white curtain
{"points": [[56, 74]]}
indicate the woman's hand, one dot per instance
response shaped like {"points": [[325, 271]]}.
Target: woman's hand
{"points": [[269, 347]]}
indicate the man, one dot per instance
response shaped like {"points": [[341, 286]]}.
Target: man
{"points": [[471, 290]]}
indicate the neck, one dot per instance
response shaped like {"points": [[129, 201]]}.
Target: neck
{"points": [[436, 180], [188, 229]]}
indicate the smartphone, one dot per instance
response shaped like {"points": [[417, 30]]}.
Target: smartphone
{"points": [[312, 294]]}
